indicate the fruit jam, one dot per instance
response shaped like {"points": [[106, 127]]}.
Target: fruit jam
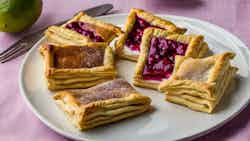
{"points": [[161, 58], [134, 37], [83, 29]]}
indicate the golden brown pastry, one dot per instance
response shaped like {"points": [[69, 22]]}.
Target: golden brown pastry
{"points": [[128, 44], [81, 29], [199, 83], [105, 103], [77, 66], [157, 56]]}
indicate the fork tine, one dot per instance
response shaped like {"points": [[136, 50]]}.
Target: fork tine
{"points": [[14, 54], [12, 47], [20, 46], [27, 40], [7, 52]]}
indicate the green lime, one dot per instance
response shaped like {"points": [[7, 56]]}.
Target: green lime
{"points": [[17, 15]]}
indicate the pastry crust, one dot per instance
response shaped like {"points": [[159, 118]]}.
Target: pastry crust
{"points": [[196, 48], [199, 83], [63, 78], [150, 18], [64, 36], [105, 103]]}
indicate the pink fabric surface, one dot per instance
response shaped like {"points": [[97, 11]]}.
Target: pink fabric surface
{"points": [[17, 122]]}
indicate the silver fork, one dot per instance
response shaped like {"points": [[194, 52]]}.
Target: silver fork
{"points": [[24, 44], [20, 47]]}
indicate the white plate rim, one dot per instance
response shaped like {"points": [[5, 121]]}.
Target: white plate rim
{"points": [[191, 137]]}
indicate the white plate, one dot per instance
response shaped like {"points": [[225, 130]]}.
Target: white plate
{"points": [[168, 121]]}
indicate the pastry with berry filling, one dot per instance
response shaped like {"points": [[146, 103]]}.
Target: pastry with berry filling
{"points": [[81, 29], [199, 83], [128, 44], [105, 103], [77, 66], [157, 56]]}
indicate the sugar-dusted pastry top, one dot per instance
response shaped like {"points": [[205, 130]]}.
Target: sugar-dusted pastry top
{"points": [[85, 29], [117, 88], [78, 57], [134, 37], [161, 58], [195, 69]]}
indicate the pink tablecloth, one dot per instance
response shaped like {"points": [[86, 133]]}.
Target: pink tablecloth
{"points": [[18, 123]]}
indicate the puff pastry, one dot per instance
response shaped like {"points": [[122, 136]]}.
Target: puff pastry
{"points": [[105, 103], [128, 44], [77, 66], [81, 29], [157, 56], [199, 83]]}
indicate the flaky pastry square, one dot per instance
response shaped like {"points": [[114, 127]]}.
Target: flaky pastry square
{"points": [[105, 103], [81, 29], [157, 56], [199, 83], [128, 44], [77, 66]]}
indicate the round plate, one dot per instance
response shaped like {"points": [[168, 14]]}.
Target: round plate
{"points": [[168, 121]]}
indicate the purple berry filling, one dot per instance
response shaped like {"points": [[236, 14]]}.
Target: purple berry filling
{"points": [[134, 37], [83, 29], [161, 58]]}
